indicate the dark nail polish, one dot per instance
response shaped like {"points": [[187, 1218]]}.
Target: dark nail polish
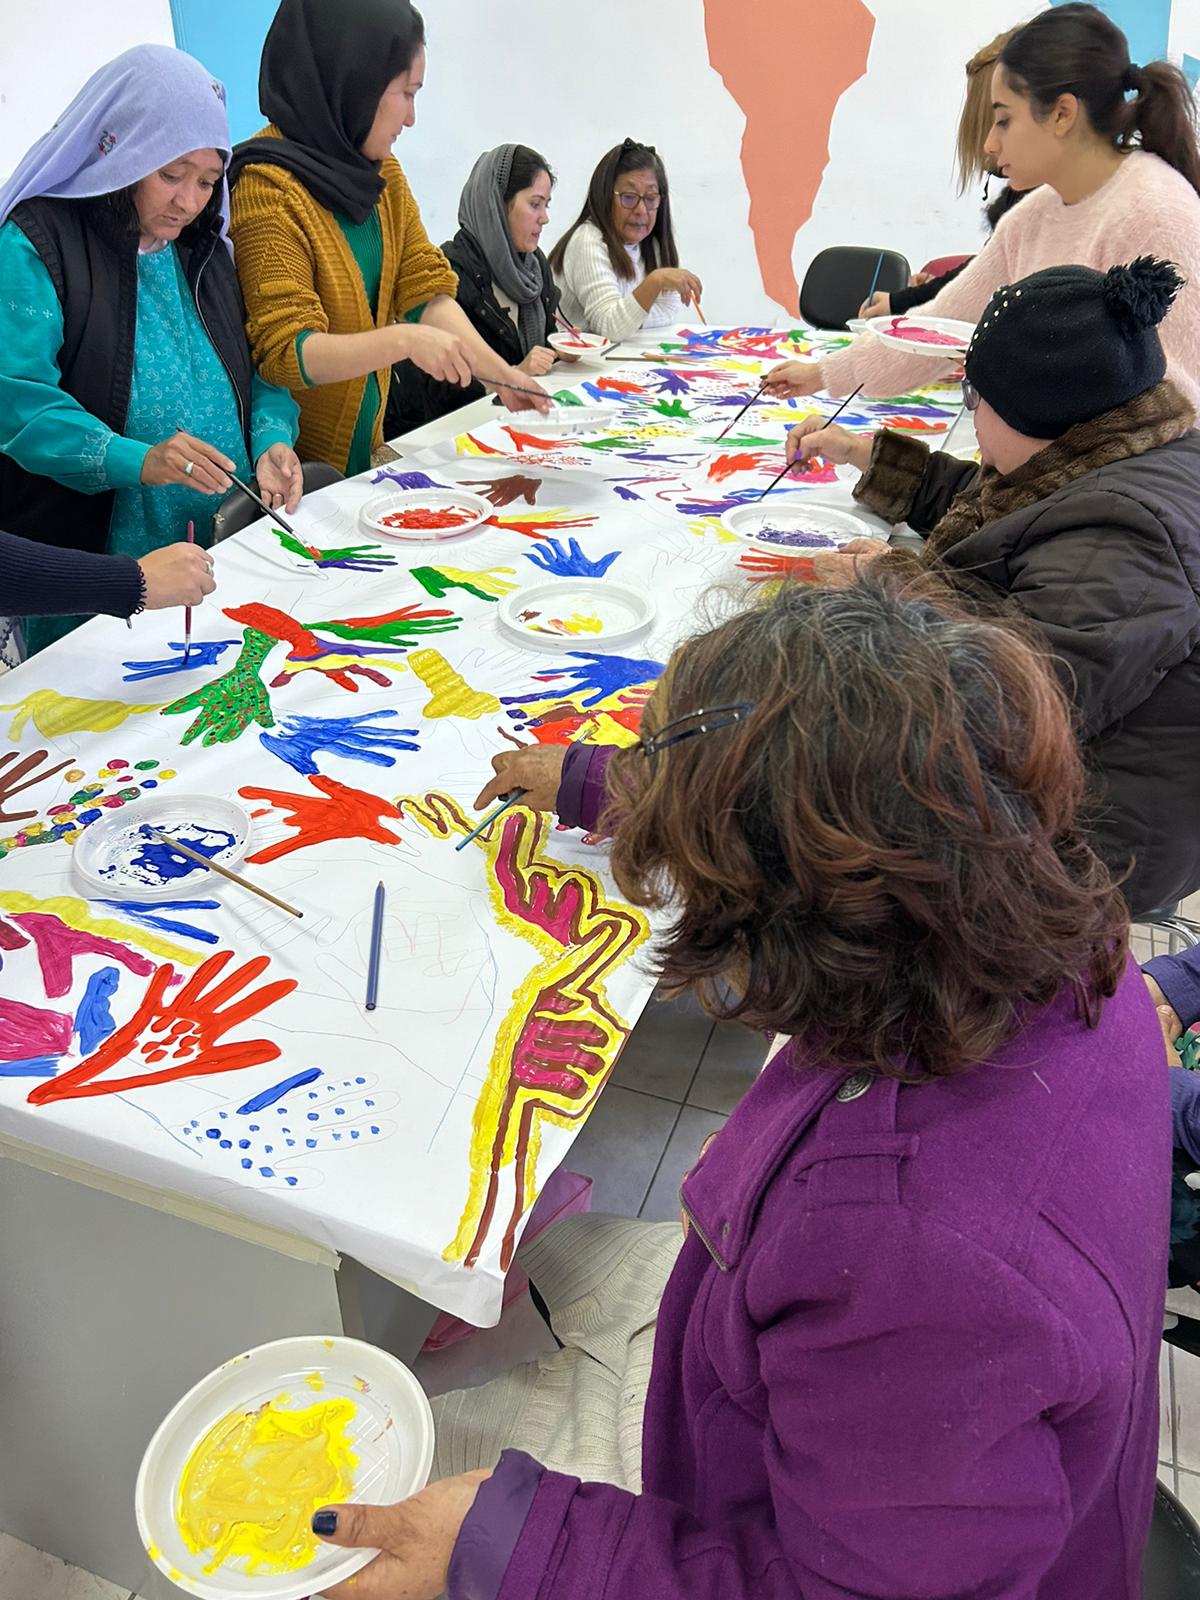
{"points": [[324, 1522]]}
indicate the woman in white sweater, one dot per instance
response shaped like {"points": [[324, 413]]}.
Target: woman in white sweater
{"points": [[617, 265]]}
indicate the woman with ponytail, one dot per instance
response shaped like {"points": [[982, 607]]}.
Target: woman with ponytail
{"points": [[1111, 149]]}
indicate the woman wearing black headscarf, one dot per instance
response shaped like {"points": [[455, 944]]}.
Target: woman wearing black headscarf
{"points": [[339, 277]]}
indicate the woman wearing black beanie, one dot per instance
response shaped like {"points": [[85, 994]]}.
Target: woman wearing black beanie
{"points": [[1084, 517]]}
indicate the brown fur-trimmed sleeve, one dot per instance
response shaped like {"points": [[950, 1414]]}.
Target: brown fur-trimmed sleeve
{"points": [[890, 484]]}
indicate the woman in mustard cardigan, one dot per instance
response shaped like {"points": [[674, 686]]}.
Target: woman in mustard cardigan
{"points": [[339, 277]]}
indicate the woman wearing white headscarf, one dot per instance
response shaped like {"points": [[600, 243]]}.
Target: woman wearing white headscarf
{"points": [[505, 286], [127, 391]]}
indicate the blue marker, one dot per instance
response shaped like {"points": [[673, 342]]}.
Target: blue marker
{"points": [[507, 800], [376, 949]]}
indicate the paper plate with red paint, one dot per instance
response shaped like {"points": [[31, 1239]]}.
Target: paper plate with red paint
{"points": [[588, 347], [424, 515], [122, 857], [925, 336], [575, 614], [230, 1480]]}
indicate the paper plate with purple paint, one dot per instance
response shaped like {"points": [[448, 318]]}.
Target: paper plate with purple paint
{"points": [[122, 857], [794, 529], [575, 614]]}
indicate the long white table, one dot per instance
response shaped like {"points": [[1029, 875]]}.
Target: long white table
{"points": [[155, 1231]]}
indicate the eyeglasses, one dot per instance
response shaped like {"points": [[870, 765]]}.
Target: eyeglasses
{"points": [[692, 724], [632, 201], [971, 396]]}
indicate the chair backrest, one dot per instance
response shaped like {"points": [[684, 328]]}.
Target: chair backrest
{"points": [[238, 511], [941, 265], [1171, 1564], [839, 280]]}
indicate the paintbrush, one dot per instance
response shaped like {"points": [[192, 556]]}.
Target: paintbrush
{"points": [[506, 800], [700, 314], [741, 413], [513, 388], [569, 326], [187, 610], [874, 280], [194, 855], [829, 421], [263, 506]]}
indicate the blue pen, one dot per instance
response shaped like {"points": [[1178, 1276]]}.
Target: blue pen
{"points": [[376, 949], [506, 800]]}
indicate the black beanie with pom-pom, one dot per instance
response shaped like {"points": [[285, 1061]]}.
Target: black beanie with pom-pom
{"points": [[1068, 344]]}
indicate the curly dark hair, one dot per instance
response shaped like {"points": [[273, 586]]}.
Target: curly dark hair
{"points": [[884, 854]]}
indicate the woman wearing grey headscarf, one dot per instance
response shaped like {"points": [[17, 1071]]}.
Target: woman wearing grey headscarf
{"points": [[505, 286]]}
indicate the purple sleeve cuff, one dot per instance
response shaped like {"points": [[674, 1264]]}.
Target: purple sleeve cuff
{"points": [[491, 1528], [581, 787], [1179, 979]]}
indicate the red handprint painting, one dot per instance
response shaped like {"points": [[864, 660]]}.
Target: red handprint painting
{"points": [[178, 1036], [561, 1037]]}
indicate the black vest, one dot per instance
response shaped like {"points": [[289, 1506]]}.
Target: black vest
{"points": [[92, 264]]}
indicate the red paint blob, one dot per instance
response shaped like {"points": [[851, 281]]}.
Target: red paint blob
{"points": [[429, 518]]}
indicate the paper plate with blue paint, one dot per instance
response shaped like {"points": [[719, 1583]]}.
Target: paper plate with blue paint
{"points": [[229, 1482], [795, 529], [122, 858], [575, 614]]}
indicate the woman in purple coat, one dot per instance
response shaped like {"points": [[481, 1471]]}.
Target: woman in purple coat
{"points": [[909, 1346]]}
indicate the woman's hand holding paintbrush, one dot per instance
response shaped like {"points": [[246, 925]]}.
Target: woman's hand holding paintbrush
{"points": [[537, 770], [813, 436]]}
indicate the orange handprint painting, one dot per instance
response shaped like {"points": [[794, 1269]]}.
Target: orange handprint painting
{"points": [[561, 1037], [177, 1036]]}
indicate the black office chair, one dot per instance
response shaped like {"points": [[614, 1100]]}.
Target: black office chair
{"points": [[238, 511], [839, 280], [1171, 1564]]}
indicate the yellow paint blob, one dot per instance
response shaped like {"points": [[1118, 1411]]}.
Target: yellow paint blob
{"points": [[452, 695], [580, 622], [251, 1485], [53, 713], [314, 1380]]}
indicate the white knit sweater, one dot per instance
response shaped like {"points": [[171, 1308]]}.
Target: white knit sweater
{"points": [[1145, 208], [596, 300]]}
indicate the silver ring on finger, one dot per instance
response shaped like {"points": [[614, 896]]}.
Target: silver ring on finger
{"points": [[188, 468]]}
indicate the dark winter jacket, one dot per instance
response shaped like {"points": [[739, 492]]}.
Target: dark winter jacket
{"points": [[416, 398], [1097, 541]]}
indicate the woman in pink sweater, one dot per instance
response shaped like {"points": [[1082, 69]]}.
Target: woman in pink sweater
{"points": [[1113, 148]]}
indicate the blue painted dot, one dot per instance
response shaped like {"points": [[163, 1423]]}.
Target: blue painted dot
{"points": [[360, 1080], [226, 1144], [267, 1172], [289, 1143], [374, 1129], [337, 1136], [213, 1133], [287, 1130], [280, 1111], [270, 1150], [314, 1116], [311, 1144], [193, 1123], [90, 816], [354, 1133], [339, 1111], [247, 1163], [221, 1115], [312, 1094], [291, 1182], [243, 1144], [254, 1127], [368, 1102], [149, 783]]}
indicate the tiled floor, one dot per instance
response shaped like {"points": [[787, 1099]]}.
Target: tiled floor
{"points": [[678, 1078]]}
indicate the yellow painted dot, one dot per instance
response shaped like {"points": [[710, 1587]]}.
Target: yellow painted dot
{"points": [[167, 772], [36, 827], [105, 772], [74, 775], [314, 1380]]}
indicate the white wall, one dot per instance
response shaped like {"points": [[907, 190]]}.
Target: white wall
{"points": [[47, 53]]}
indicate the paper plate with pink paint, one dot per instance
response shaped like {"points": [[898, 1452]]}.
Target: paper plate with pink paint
{"points": [[586, 347], [575, 614], [943, 337], [122, 857], [797, 529], [231, 1478], [424, 515]]}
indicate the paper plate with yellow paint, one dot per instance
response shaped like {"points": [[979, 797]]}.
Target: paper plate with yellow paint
{"points": [[230, 1480], [575, 614]]}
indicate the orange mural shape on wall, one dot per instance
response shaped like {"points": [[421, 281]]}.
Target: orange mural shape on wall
{"points": [[787, 65]]}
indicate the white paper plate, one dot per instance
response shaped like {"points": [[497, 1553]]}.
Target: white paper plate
{"points": [[418, 504], [916, 335], [575, 614], [119, 858], [564, 420], [392, 1433], [811, 525], [859, 324], [593, 347]]}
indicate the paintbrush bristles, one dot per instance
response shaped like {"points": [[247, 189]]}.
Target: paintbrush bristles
{"points": [[224, 872]]}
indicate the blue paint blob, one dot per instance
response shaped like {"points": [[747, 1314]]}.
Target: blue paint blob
{"points": [[247, 1163], [243, 1144], [32, 1067], [314, 1116], [374, 1129], [291, 1182], [268, 1097], [225, 1144], [339, 1111], [213, 1133], [267, 1172], [93, 1018], [140, 855], [310, 1144]]}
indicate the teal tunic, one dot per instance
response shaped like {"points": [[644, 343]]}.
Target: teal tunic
{"points": [[178, 379]]}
